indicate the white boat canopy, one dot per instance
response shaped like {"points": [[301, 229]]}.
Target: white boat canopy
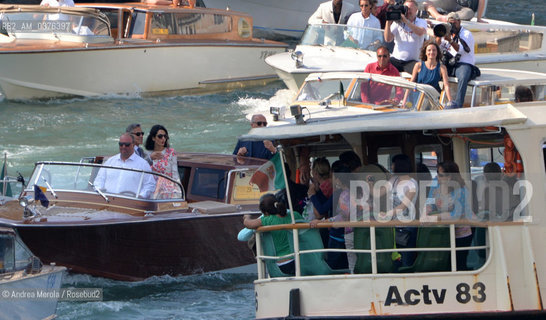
{"points": [[500, 115]]}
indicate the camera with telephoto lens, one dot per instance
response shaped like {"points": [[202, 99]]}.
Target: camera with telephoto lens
{"points": [[395, 11]]}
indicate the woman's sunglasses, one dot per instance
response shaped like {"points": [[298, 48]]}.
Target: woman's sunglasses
{"points": [[161, 136]]}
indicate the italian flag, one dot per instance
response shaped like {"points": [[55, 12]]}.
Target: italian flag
{"points": [[269, 176]]}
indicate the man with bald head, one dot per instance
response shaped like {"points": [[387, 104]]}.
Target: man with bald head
{"points": [[124, 181], [256, 149]]}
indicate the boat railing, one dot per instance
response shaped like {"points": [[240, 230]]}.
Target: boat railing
{"points": [[81, 177], [374, 247]]}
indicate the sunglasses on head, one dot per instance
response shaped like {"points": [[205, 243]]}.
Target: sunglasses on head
{"points": [[124, 144], [138, 134], [161, 136], [261, 123]]}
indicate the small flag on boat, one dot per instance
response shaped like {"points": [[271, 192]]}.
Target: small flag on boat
{"points": [[40, 195], [5, 189], [269, 176]]}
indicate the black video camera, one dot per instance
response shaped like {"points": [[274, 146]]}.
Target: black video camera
{"points": [[395, 11]]}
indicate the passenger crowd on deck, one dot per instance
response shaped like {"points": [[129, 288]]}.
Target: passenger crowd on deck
{"points": [[328, 199]]}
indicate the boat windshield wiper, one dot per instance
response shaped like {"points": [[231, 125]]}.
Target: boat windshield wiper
{"points": [[49, 187], [97, 190]]}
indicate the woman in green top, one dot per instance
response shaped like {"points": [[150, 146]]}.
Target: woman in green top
{"points": [[274, 213]]}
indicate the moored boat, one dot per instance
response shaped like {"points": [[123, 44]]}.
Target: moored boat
{"points": [[28, 288], [128, 49], [504, 275], [139, 232]]}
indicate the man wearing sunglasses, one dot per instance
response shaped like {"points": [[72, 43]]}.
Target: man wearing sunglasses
{"points": [[380, 93], [123, 181], [255, 149], [136, 131]]}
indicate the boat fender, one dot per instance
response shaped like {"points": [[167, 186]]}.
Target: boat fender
{"points": [[294, 303]]}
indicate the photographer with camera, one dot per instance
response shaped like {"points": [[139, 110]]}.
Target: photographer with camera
{"points": [[461, 66], [408, 34]]}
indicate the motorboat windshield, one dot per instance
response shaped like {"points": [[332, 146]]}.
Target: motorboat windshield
{"points": [[54, 177], [45, 23], [341, 35], [367, 90]]}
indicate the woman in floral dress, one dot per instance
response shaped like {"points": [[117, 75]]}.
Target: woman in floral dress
{"points": [[164, 161]]}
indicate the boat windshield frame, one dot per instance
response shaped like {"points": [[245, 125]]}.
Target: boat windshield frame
{"points": [[426, 92], [95, 168], [342, 35]]}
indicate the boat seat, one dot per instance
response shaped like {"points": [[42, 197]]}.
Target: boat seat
{"points": [[384, 239], [269, 250], [313, 263], [431, 261]]}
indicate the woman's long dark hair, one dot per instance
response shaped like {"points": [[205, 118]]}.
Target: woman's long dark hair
{"points": [[453, 169], [269, 205], [149, 145]]}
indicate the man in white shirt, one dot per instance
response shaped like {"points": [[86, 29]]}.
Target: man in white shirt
{"points": [[335, 11], [363, 37], [408, 34], [124, 181]]}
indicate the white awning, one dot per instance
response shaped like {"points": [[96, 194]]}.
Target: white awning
{"points": [[500, 115]]}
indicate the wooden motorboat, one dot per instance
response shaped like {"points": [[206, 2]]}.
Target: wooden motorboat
{"points": [[29, 289], [504, 275], [131, 234], [128, 49]]}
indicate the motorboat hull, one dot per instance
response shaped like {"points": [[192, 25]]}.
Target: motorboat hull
{"points": [[134, 70], [138, 249]]}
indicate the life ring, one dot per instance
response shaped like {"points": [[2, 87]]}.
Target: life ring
{"points": [[512, 159]]}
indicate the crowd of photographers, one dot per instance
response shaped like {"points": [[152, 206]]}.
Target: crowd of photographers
{"points": [[405, 32]]}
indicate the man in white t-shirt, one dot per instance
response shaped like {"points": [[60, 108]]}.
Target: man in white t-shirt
{"points": [[364, 38], [408, 34], [125, 181]]}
